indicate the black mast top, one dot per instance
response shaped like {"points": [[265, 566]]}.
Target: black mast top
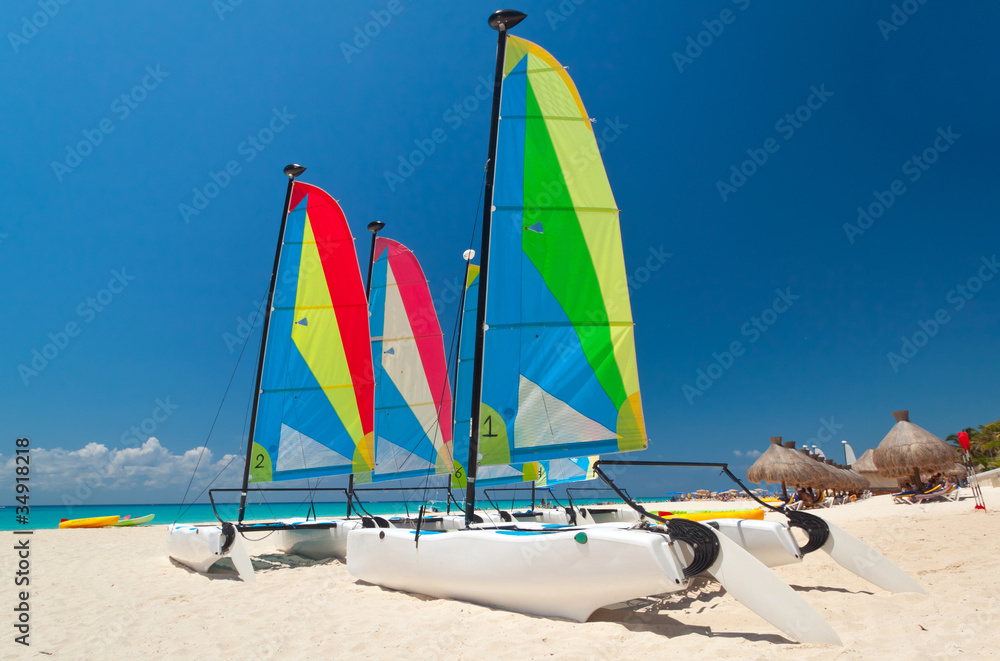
{"points": [[501, 21], [291, 171]]}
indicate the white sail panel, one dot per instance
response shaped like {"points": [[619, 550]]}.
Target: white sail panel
{"points": [[298, 451], [543, 420]]}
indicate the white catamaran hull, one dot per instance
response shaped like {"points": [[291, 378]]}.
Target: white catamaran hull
{"points": [[320, 543], [563, 574], [200, 547], [771, 542], [438, 522], [606, 515], [569, 573], [197, 547]]}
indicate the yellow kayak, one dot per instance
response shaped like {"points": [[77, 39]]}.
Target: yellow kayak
{"points": [[757, 514], [92, 522]]}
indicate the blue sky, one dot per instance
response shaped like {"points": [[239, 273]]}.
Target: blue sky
{"points": [[822, 106]]}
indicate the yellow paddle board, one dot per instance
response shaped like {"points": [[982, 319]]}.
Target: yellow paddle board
{"points": [[757, 514]]}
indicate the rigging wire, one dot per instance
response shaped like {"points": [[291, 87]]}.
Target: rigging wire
{"points": [[218, 412], [453, 349]]}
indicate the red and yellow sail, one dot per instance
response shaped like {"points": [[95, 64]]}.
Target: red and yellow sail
{"points": [[315, 409]]}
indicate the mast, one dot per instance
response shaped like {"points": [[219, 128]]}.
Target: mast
{"points": [[291, 171], [374, 227], [501, 21], [468, 255]]}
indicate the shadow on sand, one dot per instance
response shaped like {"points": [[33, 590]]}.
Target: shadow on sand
{"points": [[225, 570], [645, 615]]}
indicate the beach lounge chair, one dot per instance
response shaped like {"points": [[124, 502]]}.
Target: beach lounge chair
{"points": [[944, 493], [823, 501], [952, 493], [802, 501]]}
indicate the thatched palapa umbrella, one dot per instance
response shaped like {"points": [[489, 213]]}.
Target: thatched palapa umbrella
{"points": [[770, 466], [821, 477], [828, 478], [859, 480], [865, 467], [908, 449], [865, 463], [781, 465], [956, 470], [838, 480]]}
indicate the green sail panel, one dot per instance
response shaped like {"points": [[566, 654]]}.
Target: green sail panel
{"points": [[560, 377]]}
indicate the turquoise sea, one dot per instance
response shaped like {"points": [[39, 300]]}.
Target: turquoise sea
{"points": [[43, 517]]}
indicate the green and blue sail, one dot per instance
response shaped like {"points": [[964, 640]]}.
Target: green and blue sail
{"points": [[560, 376]]}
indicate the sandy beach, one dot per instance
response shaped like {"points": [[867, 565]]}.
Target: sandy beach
{"points": [[114, 594]]}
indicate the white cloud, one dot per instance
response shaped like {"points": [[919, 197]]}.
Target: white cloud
{"points": [[148, 467], [749, 454]]}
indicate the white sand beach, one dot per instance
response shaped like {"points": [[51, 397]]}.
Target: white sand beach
{"points": [[113, 594]]}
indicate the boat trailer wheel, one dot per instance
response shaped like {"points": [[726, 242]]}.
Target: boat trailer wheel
{"points": [[702, 540], [814, 526]]}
